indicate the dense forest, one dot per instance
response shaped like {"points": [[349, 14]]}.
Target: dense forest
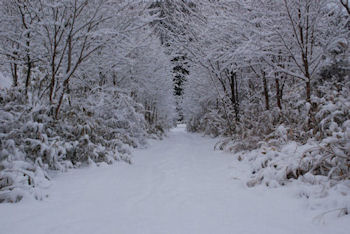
{"points": [[93, 79]]}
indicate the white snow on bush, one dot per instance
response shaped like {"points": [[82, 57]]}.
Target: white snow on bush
{"points": [[5, 82]]}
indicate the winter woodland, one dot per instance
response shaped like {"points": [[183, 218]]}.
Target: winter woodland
{"points": [[93, 79]]}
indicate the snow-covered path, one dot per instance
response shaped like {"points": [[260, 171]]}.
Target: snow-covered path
{"points": [[178, 185]]}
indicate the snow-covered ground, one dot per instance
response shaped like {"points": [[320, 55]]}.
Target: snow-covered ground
{"points": [[178, 185]]}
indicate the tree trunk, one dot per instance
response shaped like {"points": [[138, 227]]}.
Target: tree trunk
{"points": [[234, 94], [64, 89], [308, 91], [278, 93], [266, 91], [29, 71], [53, 78], [14, 74]]}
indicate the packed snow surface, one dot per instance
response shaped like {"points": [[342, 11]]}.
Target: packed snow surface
{"points": [[178, 185]]}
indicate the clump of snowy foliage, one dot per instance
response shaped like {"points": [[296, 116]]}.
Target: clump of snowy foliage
{"points": [[90, 82]]}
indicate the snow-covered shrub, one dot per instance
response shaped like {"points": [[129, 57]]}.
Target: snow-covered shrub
{"points": [[101, 128], [289, 165], [332, 155], [24, 149], [109, 119], [20, 177], [326, 154]]}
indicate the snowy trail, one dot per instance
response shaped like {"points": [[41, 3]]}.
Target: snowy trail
{"points": [[178, 185]]}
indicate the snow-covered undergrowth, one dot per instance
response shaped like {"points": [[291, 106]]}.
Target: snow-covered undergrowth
{"points": [[290, 165], [319, 170], [33, 142], [5, 82]]}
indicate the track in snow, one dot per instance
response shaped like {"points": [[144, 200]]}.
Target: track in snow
{"points": [[176, 186]]}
